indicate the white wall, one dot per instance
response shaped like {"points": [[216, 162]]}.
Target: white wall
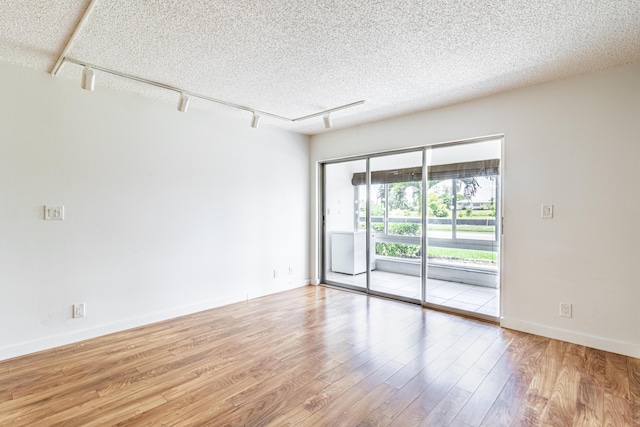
{"points": [[573, 143], [166, 213]]}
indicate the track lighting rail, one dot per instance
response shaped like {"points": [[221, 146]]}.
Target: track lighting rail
{"points": [[184, 92]]}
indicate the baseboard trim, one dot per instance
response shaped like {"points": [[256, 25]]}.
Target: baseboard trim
{"points": [[46, 343], [600, 343], [268, 290], [58, 340]]}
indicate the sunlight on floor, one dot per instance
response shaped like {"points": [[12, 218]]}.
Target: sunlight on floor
{"points": [[477, 299]]}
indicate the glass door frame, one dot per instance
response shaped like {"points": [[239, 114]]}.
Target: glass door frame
{"points": [[323, 255], [426, 155]]}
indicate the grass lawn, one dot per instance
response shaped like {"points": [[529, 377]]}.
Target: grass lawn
{"points": [[436, 252], [413, 251]]}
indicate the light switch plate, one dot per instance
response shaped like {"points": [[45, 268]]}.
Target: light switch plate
{"points": [[54, 213], [547, 211]]}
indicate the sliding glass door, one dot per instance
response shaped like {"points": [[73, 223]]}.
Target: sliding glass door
{"points": [[463, 219], [345, 235], [420, 226], [396, 225]]}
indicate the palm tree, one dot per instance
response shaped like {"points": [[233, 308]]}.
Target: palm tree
{"points": [[470, 186]]}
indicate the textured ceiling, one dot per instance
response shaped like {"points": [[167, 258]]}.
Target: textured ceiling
{"points": [[294, 58]]}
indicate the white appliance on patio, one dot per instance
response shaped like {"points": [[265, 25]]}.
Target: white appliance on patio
{"points": [[348, 252]]}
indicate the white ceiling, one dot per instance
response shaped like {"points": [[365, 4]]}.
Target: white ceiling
{"points": [[298, 57]]}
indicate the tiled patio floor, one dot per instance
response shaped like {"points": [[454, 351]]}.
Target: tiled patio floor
{"points": [[477, 299]]}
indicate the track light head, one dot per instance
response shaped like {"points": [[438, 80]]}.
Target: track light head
{"points": [[327, 121], [184, 103], [88, 79], [255, 121]]}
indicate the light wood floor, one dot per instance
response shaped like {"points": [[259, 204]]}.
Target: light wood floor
{"points": [[320, 357]]}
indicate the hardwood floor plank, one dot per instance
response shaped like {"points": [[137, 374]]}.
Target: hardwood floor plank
{"points": [[618, 411], [226, 376], [481, 358], [458, 423], [490, 338], [148, 392], [370, 359], [525, 361], [316, 356], [564, 397], [295, 415], [358, 413], [425, 369], [292, 411], [203, 402], [429, 399], [514, 370], [616, 375], [502, 412], [272, 389], [524, 357], [94, 413], [534, 407], [40, 397], [341, 399], [437, 340], [590, 405], [633, 368], [403, 397], [448, 408], [22, 385], [262, 409], [37, 411], [595, 363], [124, 412], [445, 350], [477, 407]]}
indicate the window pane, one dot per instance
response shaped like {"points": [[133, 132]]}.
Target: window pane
{"points": [[439, 206], [476, 209], [396, 222]]}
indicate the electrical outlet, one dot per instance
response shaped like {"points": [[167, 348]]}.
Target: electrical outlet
{"points": [[275, 274], [290, 271], [565, 309], [79, 310]]}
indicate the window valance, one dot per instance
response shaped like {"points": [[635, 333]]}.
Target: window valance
{"points": [[436, 173]]}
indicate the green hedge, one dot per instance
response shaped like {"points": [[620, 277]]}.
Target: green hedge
{"points": [[399, 250]]}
